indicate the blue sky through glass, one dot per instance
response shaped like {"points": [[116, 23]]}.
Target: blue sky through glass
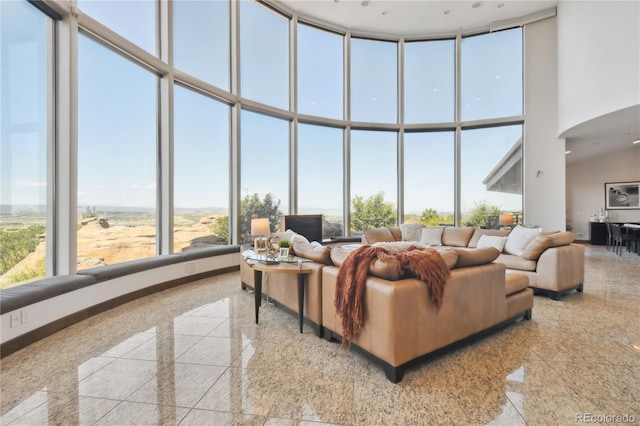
{"points": [[117, 122], [23, 152], [118, 111]]}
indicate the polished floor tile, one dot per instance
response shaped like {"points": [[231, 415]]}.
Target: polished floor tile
{"points": [[193, 355]]}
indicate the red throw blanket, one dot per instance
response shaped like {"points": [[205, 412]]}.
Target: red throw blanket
{"points": [[424, 263]]}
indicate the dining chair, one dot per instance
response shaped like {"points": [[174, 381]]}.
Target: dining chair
{"points": [[609, 235], [620, 239]]}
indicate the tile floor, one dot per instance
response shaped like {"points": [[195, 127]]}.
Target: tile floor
{"points": [[193, 356]]}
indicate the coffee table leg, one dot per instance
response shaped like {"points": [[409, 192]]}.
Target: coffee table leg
{"points": [[257, 279], [301, 278]]}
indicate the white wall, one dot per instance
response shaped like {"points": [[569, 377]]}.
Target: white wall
{"points": [[544, 192], [585, 188], [598, 59]]}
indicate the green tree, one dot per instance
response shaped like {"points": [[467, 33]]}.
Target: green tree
{"points": [[430, 217], [89, 212], [251, 205], [17, 244], [372, 212], [478, 217], [221, 228]]}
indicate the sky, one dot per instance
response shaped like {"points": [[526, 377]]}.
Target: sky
{"points": [[118, 112]]}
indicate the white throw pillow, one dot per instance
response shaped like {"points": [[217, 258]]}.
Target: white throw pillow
{"points": [[411, 231], [492, 241], [432, 236], [519, 238]]}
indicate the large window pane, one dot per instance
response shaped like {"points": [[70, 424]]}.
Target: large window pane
{"points": [[201, 171], [201, 40], [429, 178], [320, 176], [429, 81], [373, 179], [134, 20], [117, 157], [264, 55], [374, 81], [491, 175], [492, 75], [320, 72], [265, 170], [23, 152]]}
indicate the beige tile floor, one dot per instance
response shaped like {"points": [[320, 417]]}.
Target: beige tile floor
{"points": [[193, 356]]}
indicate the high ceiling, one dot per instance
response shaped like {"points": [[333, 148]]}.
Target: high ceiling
{"points": [[413, 17], [418, 18]]}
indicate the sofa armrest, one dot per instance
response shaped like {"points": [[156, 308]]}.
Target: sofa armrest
{"points": [[561, 268]]}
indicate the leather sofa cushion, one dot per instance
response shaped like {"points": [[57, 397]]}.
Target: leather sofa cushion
{"points": [[450, 258], [473, 242], [456, 237], [512, 261], [396, 232], [375, 235], [388, 270], [478, 256], [313, 251], [515, 282], [543, 242]]}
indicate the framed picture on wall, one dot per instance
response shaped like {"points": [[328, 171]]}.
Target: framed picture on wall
{"points": [[621, 195]]}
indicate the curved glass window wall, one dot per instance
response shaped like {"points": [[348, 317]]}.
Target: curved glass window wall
{"points": [[248, 110]]}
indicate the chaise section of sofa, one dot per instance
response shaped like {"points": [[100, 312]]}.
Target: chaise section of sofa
{"points": [[402, 324]]}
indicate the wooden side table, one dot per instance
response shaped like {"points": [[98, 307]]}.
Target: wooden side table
{"points": [[280, 268]]}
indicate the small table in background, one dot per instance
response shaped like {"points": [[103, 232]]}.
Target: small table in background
{"points": [[279, 268]]}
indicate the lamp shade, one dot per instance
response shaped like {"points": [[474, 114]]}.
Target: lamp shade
{"points": [[505, 219], [260, 226]]}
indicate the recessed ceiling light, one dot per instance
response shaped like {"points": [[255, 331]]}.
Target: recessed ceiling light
{"points": [[384, 12], [446, 12], [476, 5], [365, 3], [500, 5], [568, 152]]}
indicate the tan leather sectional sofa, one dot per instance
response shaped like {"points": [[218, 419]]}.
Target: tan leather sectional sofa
{"points": [[401, 325], [553, 263]]}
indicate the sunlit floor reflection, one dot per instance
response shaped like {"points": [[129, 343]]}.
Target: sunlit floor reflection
{"points": [[193, 355]]}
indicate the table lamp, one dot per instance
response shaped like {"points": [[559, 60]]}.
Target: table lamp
{"points": [[260, 227], [506, 221]]}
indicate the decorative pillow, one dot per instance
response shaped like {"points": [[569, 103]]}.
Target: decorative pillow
{"points": [[543, 242], [374, 235], [289, 235], [411, 231], [519, 238], [456, 237], [492, 241], [478, 233], [296, 237], [432, 236], [313, 251], [339, 254], [396, 246], [477, 256]]}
